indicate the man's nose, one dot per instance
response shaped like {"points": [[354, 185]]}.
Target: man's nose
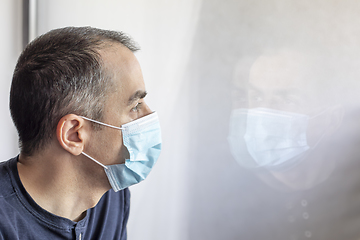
{"points": [[146, 109]]}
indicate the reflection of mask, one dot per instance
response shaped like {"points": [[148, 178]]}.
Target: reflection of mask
{"points": [[142, 138], [272, 137]]}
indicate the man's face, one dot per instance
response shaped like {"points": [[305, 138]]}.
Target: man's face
{"points": [[282, 82], [287, 82], [124, 104]]}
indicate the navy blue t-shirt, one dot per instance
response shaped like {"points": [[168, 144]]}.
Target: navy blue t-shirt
{"points": [[22, 218]]}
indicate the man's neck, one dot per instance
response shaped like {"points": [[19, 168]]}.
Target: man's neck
{"points": [[57, 182]]}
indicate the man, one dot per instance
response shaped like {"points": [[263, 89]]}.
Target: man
{"points": [[77, 101]]}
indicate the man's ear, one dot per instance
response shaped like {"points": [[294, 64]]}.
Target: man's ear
{"points": [[70, 133]]}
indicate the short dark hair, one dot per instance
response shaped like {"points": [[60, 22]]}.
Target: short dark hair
{"points": [[59, 73]]}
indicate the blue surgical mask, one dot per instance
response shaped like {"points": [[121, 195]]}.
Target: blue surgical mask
{"points": [[271, 137], [142, 138]]}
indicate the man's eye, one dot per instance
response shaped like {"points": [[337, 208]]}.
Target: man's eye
{"points": [[290, 101], [137, 107], [256, 98]]}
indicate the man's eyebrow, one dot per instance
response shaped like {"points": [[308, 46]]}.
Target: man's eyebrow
{"points": [[285, 91], [136, 96]]}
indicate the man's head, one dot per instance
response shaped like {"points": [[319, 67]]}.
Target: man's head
{"points": [[63, 72], [286, 80], [285, 114]]}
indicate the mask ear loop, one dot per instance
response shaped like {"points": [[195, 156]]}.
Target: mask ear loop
{"points": [[323, 134], [101, 123], [323, 111], [104, 124], [95, 160]]}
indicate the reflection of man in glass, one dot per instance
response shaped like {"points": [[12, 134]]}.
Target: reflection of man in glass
{"points": [[284, 114], [288, 126]]}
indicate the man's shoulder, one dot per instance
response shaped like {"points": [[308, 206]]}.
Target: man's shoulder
{"points": [[8, 207], [110, 216], [113, 204], [6, 186], [120, 198]]}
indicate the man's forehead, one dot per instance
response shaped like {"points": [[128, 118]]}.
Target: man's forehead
{"points": [[119, 61], [283, 70], [117, 57], [125, 73]]}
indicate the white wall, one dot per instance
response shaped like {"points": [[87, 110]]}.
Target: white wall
{"points": [[10, 48]]}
